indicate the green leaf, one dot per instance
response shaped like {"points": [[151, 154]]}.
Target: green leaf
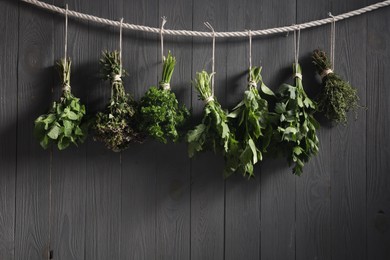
{"points": [[54, 132]]}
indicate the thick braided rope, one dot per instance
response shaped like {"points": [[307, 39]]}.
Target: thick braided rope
{"points": [[276, 30]]}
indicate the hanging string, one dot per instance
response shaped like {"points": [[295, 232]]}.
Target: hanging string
{"points": [[66, 33], [208, 25], [163, 22], [120, 48], [297, 38], [251, 81], [66, 85], [332, 39]]}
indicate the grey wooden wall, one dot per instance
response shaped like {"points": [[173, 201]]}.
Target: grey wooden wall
{"points": [[151, 201]]}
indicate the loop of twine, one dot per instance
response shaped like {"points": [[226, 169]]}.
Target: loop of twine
{"points": [[66, 87], [209, 99], [332, 39], [250, 48], [252, 83], [297, 75], [326, 73], [297, 36], [165, 86], [163, 22], [66, 33], [120, 47], [208, 25]]}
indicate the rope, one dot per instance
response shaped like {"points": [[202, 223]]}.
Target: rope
{"points": [[332, 40], [164, 20], [284, 29], [213, 58]]}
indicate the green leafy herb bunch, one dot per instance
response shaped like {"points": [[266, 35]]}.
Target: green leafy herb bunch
{"points": [[295, 125], [159, 111], [64, 124], [116, 125], [337, 96], [253, 129], [213, 133]]}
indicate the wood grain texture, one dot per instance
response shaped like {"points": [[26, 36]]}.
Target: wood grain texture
{"points": [[8, 126], [242, 207], [378, 139], [35, 83], [348, 144], [278, 189], [103, 187], [172, 163], [139, 168], [208, 187], [68, 178], [313, 226]]}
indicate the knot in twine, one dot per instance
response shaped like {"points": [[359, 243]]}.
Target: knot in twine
{"points": [[298, 75], [252, 83], [117, 77], [66, 87], [209, 99], [165, 86], [326, 73]]}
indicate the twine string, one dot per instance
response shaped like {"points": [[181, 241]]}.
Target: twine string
{"points": [[297, 36], [163, 22], [208, 25], [332, 39]]}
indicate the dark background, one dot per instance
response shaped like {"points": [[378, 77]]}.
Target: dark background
{"points": [[151, 201]]}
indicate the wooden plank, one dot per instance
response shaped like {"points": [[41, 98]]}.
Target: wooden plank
{"points": [[103, 193], [138, 237], [172, 163], [242, 207], [313, 236], [277, 182], [208, 188], [35, 73], [69, 166], [8, 126], [348, 144], [378, 139]]}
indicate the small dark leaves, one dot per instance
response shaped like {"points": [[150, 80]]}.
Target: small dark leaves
{"points": [[116, 125], [337, 97], [295, 125], [214, 132], [65, 123], [253, 130], [160, 114]]}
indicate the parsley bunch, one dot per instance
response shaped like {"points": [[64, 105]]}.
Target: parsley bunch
{"points": [[63, 124], [251, 117], [213, 133], [159, 111], [116, 126], [295, 124], [337, 96]]}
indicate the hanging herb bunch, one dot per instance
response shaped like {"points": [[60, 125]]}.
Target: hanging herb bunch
{"points": [[116, 126], [295, 124], [159, 111], [213, 133], [337, 96], [64, 124], [254, 132]]}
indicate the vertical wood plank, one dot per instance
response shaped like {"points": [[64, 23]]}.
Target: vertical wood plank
{"points": [[277, 182], [348, 144], [69, 166], [208, 187], [313, 232], [378, 139], [103, 189], [242, 212], [35, 73], [138, 237], [173, 165], [9, 14]]}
